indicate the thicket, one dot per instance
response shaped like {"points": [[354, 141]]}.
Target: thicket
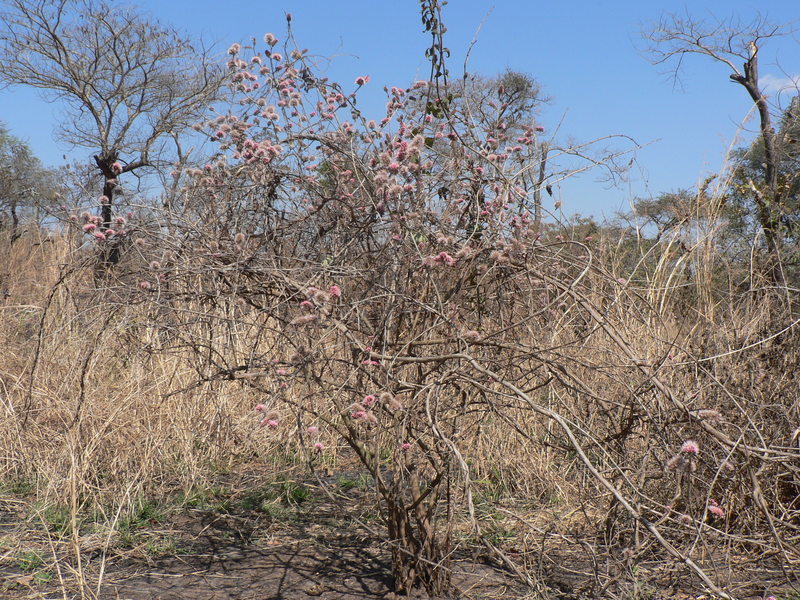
{"points": [[331, 289]]}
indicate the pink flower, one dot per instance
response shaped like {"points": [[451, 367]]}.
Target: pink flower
{"points": [[269, 39], [405, 446], [303, 320], [690, 447], [335, 291], [318, 446], [370, 363], [116, 168], [271, 423], [445, 258], [471, 335], [539, 128], [99, 236], [89, 227], [313, 429], [716, 510], [144, 285], [369, 400], [710, 415], [261, 408], [362, 80]]}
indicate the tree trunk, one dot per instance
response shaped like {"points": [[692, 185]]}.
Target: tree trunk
{"points": [[770, 201]]}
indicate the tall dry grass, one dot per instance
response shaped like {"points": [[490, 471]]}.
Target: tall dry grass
{"points": [[107, 400]]}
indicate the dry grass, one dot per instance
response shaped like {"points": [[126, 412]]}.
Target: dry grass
{"points": [[104, 405]]}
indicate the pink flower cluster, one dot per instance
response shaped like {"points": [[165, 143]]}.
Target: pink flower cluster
{"points": [[715, 509], [270, 419], [443, 258], [690, 447]]}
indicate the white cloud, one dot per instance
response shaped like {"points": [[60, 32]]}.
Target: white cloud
{"points": [[770, 84]]}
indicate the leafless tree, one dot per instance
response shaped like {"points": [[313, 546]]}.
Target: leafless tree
{"points": [[129, 83], [732, 43]]}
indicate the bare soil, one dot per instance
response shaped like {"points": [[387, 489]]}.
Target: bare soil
{"points": [[316, 548], [252, 539]]}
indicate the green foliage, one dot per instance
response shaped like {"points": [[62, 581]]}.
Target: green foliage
{"points": [[26, 187], [749, 179], [30, 560]]}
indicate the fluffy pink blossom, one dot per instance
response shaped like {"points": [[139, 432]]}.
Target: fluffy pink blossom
{"points": [[99, 236], [89, 227], [405, 446], [369, 400], [471, 335], [318, 446], [271, 423], [261, 408], [313, 429], [144, 285], [303, 320], [335, 291], [690, 447], [716, 510], [710, 415], [362, 79], [116, 168]]}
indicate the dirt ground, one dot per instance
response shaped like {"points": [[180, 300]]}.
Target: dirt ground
{"points": [[284, 541], [255, 547]]}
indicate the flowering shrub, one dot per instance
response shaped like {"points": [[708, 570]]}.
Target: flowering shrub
{"points": [[389, 284]]}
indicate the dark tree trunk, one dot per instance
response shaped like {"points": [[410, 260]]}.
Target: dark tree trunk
{"points": [[107, 163], [770, 201]]}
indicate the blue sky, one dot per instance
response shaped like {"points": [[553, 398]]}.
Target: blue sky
{"points": [[586, 56]]}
